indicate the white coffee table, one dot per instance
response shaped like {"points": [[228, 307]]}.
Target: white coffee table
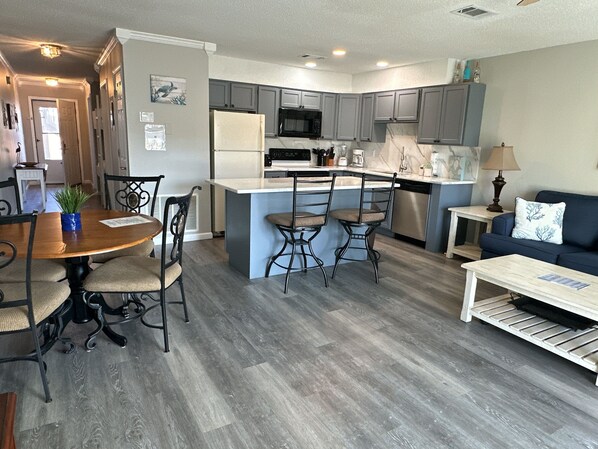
{"points": [[35, 173], [520, 274]]}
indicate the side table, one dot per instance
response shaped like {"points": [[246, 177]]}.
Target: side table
{"points": [[476, 213], [35, 173]]}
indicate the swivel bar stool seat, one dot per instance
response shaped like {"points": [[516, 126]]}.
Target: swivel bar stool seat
{"points": [[311, 206], [375, 198]]}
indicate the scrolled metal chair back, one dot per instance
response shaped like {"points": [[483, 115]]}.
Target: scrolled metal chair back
{"points": [[175, 226], [132, 193], [6, 208]]}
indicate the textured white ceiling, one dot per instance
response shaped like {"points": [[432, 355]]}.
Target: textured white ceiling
{"points": [[278, 31]]}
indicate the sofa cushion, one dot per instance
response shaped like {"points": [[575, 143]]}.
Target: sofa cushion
{"points": [[539, 221], [580, 222], [586, 262], [503, 245]]}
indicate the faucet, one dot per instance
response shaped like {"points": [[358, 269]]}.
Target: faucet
{"points": [[403, 166]]}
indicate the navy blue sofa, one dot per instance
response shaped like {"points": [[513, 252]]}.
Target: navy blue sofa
{"points": [[579, 250]]}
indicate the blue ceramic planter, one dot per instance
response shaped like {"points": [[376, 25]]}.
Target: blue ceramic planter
{"points": [[71, 222]]}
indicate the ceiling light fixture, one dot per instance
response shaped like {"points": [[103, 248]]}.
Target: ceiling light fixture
{"points": [[52, 82], [382, 64], [311, 64], [51, 51], [339, 52]]}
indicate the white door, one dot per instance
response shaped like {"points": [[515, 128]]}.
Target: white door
{"points": [[67, 117], [48, 145]]}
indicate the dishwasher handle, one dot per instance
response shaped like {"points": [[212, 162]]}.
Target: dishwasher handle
{"points": [[415, 186]]}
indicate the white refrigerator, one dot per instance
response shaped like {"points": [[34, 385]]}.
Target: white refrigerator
{"points": [[237, 151]]}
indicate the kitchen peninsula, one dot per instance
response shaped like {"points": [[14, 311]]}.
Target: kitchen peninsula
{"points": [[250, 240]]}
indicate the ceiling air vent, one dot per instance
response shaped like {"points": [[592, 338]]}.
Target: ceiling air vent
{"points": [[315, 57], [473, 12]]}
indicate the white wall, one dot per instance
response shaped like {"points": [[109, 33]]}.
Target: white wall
{"points": [[414, 75], [8, 137], [186, 162], [245, 70], [545, 104]]}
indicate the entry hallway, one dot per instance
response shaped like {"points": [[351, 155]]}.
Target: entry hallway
{"points": [[353, 366]]}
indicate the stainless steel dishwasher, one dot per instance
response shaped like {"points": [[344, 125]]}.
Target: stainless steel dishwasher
{"points": [[410, 209]]}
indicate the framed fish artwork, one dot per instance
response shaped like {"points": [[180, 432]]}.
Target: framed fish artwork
{"points": [[169, 90]]}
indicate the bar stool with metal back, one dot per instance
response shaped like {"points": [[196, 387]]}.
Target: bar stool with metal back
{"points": [[311, 206], [375, 199]]}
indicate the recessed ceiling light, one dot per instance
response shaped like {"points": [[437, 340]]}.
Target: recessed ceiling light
{"points": [[339, 52], [50, 51], [311, 64], [52, 82], [382, 64]]}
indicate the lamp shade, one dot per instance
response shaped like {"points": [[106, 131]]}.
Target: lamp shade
{"points": [[501, 158]]}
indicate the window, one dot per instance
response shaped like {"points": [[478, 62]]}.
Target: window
{"points": [[51, 133]]}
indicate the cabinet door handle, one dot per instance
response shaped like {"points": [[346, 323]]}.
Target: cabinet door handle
{"points": [[232, 105], [225, 105]]}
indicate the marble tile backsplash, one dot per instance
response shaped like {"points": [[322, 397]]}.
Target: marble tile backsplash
{"points": [[454, 162]]}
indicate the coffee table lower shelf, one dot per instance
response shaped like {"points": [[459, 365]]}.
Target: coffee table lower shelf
{"points": [[579, 346]]}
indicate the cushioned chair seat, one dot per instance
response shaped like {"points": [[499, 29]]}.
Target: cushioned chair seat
{"points": [[352, 215], [41, 271], [586, 262], [502, 245], [46, 297], [143, 249], [130, 274], [303, 219]]}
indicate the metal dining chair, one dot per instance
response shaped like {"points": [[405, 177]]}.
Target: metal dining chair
{"points": [[131, 194], [300, 226], [43, 270], [139, 276], [375, 199], [27, 306]]}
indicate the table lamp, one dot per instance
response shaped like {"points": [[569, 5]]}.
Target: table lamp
{"points": [[501, 158]]}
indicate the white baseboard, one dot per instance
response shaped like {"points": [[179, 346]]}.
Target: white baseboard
{"points": [[189, 237]]}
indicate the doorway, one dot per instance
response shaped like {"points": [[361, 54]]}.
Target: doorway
{"points": [[56, 140]]}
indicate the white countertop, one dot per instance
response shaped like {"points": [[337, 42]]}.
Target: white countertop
{"points": [[372, 171], [277, 185]]}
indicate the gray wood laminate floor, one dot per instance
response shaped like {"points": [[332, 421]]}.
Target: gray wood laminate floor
{"points": [[357, 365]]}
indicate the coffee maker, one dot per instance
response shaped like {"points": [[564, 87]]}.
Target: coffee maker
{"points": [[357, 160]]}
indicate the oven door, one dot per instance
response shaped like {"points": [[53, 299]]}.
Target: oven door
{"points": [[299, 123]]}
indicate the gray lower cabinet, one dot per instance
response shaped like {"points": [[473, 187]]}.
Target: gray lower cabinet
{"points": [[347, 125], [397, 106], [328, 116], [451, 115], [290, 98], [234, 96], [268, 99], [275, 174]]}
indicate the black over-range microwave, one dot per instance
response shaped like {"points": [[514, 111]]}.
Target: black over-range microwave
{"points": [[299, 123]]}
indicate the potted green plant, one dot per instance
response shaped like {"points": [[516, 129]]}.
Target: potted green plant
{"points": [[70, 199]]}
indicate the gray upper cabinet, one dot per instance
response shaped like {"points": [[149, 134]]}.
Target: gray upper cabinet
{"points": [[300, 99], [406, 106], [219, 94], [397, 106], [268, 99], [328, 115], [366, 126], [347, 125], [452, 114], [235, 96], [429, 115], [385, 103], [243, 96]]}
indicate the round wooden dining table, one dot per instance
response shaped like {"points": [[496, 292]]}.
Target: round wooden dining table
{"points": [[75, 247]]}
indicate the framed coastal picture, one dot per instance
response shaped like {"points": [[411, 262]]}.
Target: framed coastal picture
{"points": [[169, 90]]}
